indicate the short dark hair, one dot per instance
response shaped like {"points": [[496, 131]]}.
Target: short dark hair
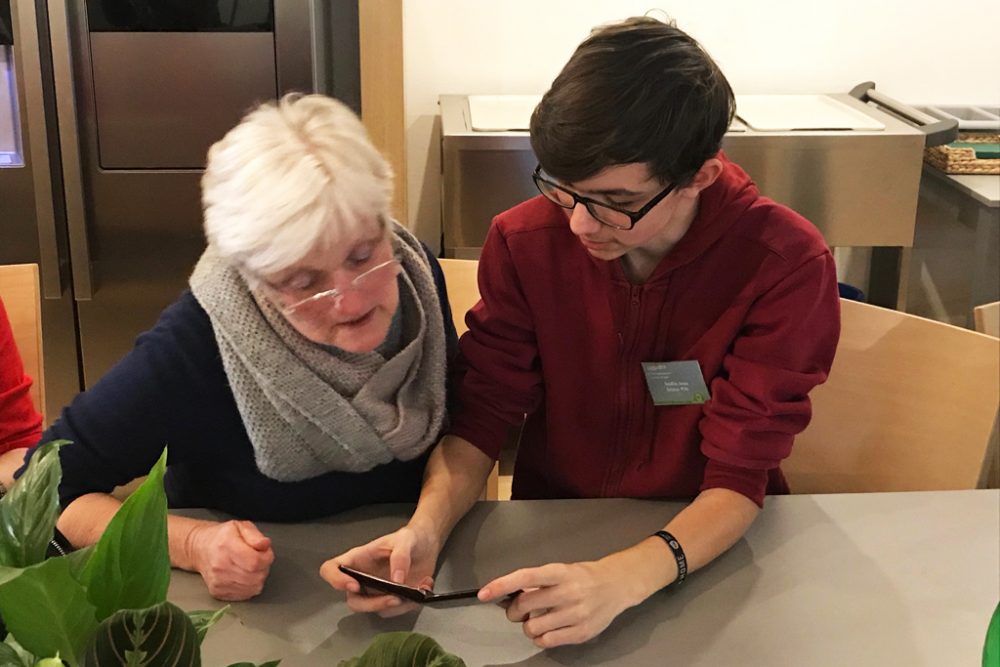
{"points": [[636, 91]]}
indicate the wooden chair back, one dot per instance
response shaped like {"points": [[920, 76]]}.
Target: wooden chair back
{"points": [[461, 278], [21, 296], [987, 317], [909, 405], [462, 281]]}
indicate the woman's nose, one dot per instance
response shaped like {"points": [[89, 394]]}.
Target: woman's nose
{"points": [[349, 302], [581, 222], [335, 303]]}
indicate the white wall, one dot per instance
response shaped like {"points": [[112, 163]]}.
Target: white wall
{"points": [[918, 51]]}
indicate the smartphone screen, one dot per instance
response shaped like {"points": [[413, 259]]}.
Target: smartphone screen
{"points": [[420, 595]]}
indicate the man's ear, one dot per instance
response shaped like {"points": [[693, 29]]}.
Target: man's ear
{"points": [[704, 177]]}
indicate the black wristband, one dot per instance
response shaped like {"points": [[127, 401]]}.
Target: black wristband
{"points": [[675, 547]]}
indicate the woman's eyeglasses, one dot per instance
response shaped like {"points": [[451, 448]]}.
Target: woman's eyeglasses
{"points": [[371, 280]]}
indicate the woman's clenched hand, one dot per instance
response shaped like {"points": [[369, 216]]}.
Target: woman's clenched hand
{"points": [[234, 558]]}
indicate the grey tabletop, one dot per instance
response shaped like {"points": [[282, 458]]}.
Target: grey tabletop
{"points": [[855, 579]]}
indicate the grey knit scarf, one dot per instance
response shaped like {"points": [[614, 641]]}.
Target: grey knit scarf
{"points": [[307, 411]]}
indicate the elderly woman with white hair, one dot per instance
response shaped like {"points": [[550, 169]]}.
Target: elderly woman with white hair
{"points": [[302, 374]]}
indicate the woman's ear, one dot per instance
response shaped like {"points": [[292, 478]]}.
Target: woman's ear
{"points": [[704, 177]]}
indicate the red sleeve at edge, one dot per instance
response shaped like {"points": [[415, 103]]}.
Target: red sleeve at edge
{"points": [[20, 422]]}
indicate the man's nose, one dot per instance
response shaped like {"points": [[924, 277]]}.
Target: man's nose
{"points": [[581, 222]]}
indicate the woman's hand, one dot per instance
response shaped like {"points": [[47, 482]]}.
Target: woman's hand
{"points": [[234, 558], [563, 603], [407, 556]]}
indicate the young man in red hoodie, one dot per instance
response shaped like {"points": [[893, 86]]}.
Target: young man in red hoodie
{"points": [[647, 248]]}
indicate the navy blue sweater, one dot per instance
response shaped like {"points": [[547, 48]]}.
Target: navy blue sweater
{"points": [[172, 390]]}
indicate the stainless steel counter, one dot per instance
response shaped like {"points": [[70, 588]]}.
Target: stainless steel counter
{"points": [[862, 579], [984, 188], [858, 186], [953, 264]]}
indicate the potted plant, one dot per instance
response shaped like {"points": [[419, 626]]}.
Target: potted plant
{"points": [[395, 649], [106, 604], [103, 605]]}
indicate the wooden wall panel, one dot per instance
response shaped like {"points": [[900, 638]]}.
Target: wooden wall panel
{"points": [[381, 37]]}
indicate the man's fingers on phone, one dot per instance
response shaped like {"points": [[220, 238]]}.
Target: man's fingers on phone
{"points": [[506, 602], [511, 584]]}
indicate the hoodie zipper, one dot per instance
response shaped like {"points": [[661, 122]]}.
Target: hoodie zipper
{"points": [[622, 435]]}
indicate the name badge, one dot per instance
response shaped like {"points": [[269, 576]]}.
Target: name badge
{"points": [[675, 382]]}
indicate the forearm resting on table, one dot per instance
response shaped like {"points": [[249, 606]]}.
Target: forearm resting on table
{"points": [[453, 481], [705, 529], [10, 461], [84, 520]]}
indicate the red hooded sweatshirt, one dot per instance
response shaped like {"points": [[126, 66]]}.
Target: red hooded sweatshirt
{"points": [[750, 293]]}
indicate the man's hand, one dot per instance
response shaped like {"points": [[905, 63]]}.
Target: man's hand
{"points": [[562, 603], [407, 556], [571, 603], [234, 558]]}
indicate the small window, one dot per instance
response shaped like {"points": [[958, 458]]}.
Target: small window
{"points": [[10, 132]]}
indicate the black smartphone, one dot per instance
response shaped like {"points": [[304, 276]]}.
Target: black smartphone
{"points": [[420, 595]]}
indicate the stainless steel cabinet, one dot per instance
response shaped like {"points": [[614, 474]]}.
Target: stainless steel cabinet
{"points": [[116, 105]]}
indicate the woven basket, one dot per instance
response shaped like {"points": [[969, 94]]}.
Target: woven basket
{"points": [[963, 160]]}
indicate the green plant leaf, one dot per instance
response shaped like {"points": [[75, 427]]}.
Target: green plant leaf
{"points": [[205, 619], [28, 512], [26, 658], [390, 649], [10, 658], [47, 610], [78, 561], [12, 648], [158, 636], [991, 648], [130, 565]]}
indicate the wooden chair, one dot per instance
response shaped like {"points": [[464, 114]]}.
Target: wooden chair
{"points": [[22, 300], [987, 317], [461, 278], [909, 405]]}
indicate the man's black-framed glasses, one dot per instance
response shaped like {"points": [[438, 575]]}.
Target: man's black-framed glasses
{"points": [[604, 213]]}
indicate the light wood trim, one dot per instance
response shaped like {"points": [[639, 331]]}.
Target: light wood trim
{"points": [[461, 276], [987, 318], [22, 301], [990, 477], [380, 33], [461, 279], [909, 405]]}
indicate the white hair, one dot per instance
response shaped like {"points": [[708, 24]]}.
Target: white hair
{"points": [[291, 176]]}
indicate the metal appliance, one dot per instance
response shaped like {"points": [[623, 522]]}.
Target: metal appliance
{"points": [[858, 186], [107, 109]]}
